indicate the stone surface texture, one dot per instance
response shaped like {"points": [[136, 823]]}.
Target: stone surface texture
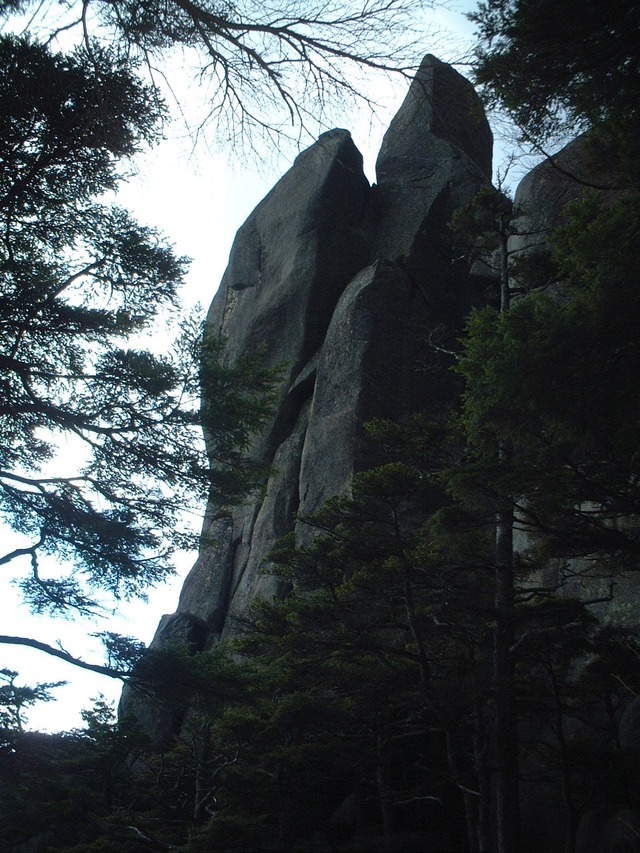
{"points": [[346, 287], [342, 284]]}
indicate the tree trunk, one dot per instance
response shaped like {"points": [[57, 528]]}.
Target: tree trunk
{"points": [[383, 791], [505, 726], [505, 720], [470, 798], [567, 788], [284, 805], [484, 781]]}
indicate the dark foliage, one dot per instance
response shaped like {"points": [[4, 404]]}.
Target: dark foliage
{"points": [[102, 463], [562, 67]]}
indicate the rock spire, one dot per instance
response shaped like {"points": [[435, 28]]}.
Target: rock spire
{"points": [[342, 283]]}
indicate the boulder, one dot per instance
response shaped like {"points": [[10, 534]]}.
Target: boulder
{"points": [[544, 193]]}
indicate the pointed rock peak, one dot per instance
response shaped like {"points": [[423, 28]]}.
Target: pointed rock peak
{"points": [[331, 143], [334, 148], [440, 103]]}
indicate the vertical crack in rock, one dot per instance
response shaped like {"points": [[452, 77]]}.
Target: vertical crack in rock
{"points": [[274, 520]]}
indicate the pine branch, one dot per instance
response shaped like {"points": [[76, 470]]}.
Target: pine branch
{"points": [[65, 656]]}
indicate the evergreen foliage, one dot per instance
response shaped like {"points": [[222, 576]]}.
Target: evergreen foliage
{"points": [[559, 68], [15, 698], [80, 280], [557, 378]]}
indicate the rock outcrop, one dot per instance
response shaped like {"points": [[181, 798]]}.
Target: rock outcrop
{"points": [[341, 283]]}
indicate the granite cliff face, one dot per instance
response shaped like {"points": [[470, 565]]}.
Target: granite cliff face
{"points": [[341, 282], [344, 283]]}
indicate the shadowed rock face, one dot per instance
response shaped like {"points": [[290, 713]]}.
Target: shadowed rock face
{"points": [[341, 283], [547, 189], [438, 145]]}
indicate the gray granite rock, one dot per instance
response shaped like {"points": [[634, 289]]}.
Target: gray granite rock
{"points": [[205, 592], [294, 255], [440, 103], [344, 285], [274, 519], [436, 153], [376, 361], [544, 193]]}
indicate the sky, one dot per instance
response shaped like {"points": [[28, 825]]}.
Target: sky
{"points": [[198, 200]]}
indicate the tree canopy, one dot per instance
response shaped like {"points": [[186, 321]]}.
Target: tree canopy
{"points": [[559, 68]]}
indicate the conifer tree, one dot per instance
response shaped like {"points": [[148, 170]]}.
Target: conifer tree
{"points": [[79, 278], [545, 415], [562, 68]]}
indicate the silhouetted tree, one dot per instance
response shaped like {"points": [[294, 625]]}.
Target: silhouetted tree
{"points": [[79, 279], [271, 69]]}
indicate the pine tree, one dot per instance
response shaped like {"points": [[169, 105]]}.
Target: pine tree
{"points": [[79, 279], [559, 68], [545, 416]]}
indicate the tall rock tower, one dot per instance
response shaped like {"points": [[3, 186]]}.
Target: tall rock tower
{"points": [[342, 283]]}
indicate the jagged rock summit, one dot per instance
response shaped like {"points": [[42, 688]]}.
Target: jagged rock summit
{"points": [[340, 282]]}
